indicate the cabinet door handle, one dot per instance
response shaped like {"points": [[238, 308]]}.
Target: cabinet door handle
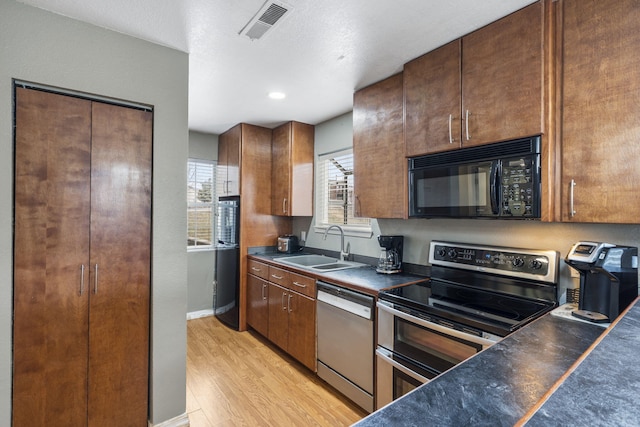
{"points": [[95, 280], [450, 134], [466, 124], [289, 303], [81, 279], [572, 211], [284, 205], [284, 307], [277, 277], [300, 284]]}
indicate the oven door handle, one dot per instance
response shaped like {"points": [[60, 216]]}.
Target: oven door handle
{"points": [[435, 326], [384, 355]]}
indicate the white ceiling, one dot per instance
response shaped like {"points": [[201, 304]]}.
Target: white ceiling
{"points": [[318, 54]]}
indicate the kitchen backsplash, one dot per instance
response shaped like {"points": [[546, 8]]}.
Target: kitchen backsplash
{"points": [[520, 234]]}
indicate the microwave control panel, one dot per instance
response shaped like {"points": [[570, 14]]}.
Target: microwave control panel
{"points": [[518, 187]]}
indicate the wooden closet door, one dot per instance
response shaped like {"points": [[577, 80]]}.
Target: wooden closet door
{"points": [[52, 170], [120, 265]]}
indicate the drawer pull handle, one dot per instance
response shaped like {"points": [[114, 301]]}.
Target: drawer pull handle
{"points": [[256, 269], [277, 277], [300, 284]]}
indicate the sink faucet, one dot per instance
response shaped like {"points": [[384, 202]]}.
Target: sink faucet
{"points": [[343, 252]]}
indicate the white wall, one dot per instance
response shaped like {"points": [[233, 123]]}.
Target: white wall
{"points": [[338, 133], [201, 264], [53, 50]]}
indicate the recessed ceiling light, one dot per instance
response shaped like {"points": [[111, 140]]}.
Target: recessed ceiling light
{"points": [[277, 95]]}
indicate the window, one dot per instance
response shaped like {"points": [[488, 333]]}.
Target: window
{"points": [[200, 202], [335, 200]]}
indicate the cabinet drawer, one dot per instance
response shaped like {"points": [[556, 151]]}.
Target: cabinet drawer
{"points": [[258, 269], [278, 276], [302, 284]]}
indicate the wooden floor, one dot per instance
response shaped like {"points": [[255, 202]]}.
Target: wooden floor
{"points": [[240, 379]]}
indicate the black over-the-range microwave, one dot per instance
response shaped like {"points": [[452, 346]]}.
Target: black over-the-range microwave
{"points": [[500, 180]]}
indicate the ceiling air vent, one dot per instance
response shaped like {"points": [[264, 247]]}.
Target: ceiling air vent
{"points": [[269, 14]]}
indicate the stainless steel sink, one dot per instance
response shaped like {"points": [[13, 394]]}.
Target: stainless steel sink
{"points": [[336, 266], [306, 260], [318, 262]]}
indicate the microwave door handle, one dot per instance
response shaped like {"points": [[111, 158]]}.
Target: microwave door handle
{"points": [[494, 187]]}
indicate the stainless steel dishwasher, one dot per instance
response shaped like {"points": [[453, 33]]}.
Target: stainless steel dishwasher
{"points": [[346, 342]]}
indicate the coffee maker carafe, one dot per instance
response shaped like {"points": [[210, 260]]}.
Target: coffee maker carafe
{"points": [[390, 260], [608, 279]]}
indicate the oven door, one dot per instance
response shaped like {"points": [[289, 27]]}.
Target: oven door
{"points": [[397, 376], [437, 344]]}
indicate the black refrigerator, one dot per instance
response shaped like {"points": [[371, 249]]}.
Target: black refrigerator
{"points": [[226, 289]]}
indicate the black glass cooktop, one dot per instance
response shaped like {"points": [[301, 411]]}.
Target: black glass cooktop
{"points": [[490, 304]]}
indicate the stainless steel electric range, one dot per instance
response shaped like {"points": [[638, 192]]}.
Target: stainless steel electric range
{"points": [[476, 296]]}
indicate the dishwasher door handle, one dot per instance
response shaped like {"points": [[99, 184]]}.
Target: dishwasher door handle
{"points": [[345, 304]]}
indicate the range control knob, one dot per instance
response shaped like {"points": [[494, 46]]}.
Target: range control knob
{"points": [[517, 262], [452, 253], [535, 264], [441, 252]]}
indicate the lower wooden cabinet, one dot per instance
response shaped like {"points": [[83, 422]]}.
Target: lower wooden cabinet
{"points": [[258, 304], [283, 309], [292, 324]]}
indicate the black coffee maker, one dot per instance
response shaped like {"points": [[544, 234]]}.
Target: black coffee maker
{"points": [[608, 279], [390, 260]]}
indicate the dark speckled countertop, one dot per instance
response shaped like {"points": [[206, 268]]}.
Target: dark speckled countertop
{"points": [[363, 279], [602, 389], [499, 385]]}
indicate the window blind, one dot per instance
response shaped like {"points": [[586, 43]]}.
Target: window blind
{"points": [[200, 203], [335, 199]]}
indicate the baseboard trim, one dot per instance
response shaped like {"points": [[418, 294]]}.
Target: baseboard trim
{"points": [[199, 314], [179, 421]]}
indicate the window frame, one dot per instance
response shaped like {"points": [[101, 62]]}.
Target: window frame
{"points": [[323, 194], [200, 205]]}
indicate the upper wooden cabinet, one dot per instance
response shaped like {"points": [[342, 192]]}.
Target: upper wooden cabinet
{"points": [[486, 87], [432, 99], [292, 170], [228, 170], [378, 151], [600, 98]]}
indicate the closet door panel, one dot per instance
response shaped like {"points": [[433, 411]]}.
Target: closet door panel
{"points": [[120, 265], [52, 170]]}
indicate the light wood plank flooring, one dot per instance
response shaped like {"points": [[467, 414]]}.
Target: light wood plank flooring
{"points": [[240, 379]]}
